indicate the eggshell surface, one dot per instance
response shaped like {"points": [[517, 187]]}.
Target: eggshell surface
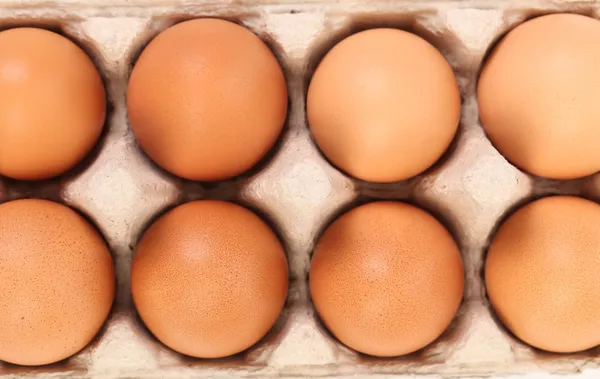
{"points": [[57, 282], [386, 278], [52, 104], [209, 279], [383, 105], [541, 274], [538, 96], [207, 99]]}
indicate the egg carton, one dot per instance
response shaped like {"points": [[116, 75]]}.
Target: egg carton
{"points": [[471, 189]]}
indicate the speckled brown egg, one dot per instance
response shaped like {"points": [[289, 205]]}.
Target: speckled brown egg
{"points": [[383, 105], [386, 278], [542, 276], [207, 99], [57, 282], [538, 96], [209, 279], [52, 104]]}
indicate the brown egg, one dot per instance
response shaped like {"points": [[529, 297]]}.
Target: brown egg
{"points": [[383, 105], [57, 282], [538, 96], [207, 99], [209, 279], [52, 104], [542, 276], [386, 278]]}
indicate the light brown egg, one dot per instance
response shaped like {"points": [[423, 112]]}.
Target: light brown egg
{"points": [[538, 96], [383, 105], [52, 104], [57, 282], [209, 279], [386, 278], [207, 99], [542, 276]]}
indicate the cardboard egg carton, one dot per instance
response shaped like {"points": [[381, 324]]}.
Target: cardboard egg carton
{"points": [[471, 189]]}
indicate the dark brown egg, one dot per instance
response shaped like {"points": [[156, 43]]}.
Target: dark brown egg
{"points": [[386, 278], [209, 279]]}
